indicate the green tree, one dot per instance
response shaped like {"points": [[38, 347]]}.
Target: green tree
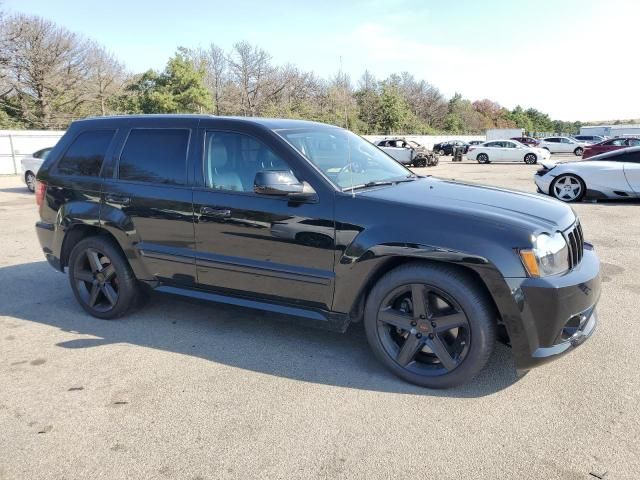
{"points": [[393, 109], [178, 89]]}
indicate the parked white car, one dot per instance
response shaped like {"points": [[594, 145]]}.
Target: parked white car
{"points": [[30, 166], [609, 175], [563, 145], [506, 151]]}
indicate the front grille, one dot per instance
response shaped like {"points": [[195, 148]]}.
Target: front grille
{"points": [[575, 241]]}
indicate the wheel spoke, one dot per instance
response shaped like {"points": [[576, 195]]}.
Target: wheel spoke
{"points": [[440, 351], [418, 299], [94, 260], [450, 321], [395, 318], [93, 296], [110, 293], [409, 349], [84, 275]]}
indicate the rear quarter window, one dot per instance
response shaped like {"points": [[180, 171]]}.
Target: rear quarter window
{"points": [[86, 153]]}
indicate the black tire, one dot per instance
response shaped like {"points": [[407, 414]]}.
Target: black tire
{"points": [[30, 180], [434, 161], [420, 162], [571, 196], [460, 293], [530, 159], [107, 273], [578, 151], [482, 158], [441, 152]]}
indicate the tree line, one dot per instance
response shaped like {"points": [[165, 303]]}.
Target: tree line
{"points": [[50, 76]]}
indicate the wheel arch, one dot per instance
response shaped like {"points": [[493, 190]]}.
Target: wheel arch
{"points": [[75, 234]]}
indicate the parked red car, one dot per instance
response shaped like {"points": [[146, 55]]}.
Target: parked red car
{"points": [[532, 142], [610, 145]]}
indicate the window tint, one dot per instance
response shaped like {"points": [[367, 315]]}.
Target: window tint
{"points": [[631, 157], [155, 156], [493, 144], [552, 140], [85, 155], [233, 159], [633, 142], [509, 144]]}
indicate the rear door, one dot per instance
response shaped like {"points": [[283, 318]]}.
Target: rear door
{"points": [[494, 150], [255, 245], [149, 194]]}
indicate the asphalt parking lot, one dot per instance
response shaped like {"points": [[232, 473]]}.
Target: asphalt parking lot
{"points": [[186, 390]]}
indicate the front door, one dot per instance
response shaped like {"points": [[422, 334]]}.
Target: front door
{"points": [[632, 170], [258, 245]]}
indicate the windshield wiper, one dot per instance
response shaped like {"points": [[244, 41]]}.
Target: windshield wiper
{"points": [[409, 178]]}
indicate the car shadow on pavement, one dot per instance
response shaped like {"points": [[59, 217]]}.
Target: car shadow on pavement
{"points": [[234, 336], [22, 190]]}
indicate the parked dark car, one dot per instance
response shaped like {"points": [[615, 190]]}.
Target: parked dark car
{"points": [[316, 224], [446, 148], [530, 141], [610, 146]]}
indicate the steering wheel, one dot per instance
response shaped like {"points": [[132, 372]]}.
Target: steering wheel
{"points": [[355, 168]]}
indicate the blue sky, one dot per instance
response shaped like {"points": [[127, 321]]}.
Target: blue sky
{"points": [[573, 59]]}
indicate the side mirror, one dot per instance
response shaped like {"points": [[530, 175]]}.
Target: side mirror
{"points": [[282, 183]]}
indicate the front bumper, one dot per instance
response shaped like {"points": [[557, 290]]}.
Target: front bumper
{"points": [[555, 314]]}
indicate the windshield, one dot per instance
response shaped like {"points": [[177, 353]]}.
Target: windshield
{"points": [[345, 158]]}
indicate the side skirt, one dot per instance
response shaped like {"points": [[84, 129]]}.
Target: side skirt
{"points": [[325, 320]]}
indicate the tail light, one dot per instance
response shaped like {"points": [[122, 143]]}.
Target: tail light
{"points": [[41, 189]]}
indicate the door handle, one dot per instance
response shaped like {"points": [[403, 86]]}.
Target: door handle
{"points": [[118, 200], [215, 212]]}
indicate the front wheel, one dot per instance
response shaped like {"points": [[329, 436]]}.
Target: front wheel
{"points": [[101, 278], [578, 151], [30, 180], [530, 159], [441, 152], [482, 158], [568, 188], [431, 325], [420, 162]]}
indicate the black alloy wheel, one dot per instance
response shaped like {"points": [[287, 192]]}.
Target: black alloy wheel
{"points": [[430, 324], [101, 278], [482, 158], [530, 159]]}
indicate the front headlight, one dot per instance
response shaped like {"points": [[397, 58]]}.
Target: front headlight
{"points": [[549, 255]]}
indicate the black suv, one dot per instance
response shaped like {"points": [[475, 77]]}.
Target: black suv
{"points": [[317, 224]]}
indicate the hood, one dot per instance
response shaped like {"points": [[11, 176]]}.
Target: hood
{"points": [[529, 211]]}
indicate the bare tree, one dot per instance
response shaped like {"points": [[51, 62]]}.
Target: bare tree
{"points": [[251, 69], [106, 77], [46, 68]]}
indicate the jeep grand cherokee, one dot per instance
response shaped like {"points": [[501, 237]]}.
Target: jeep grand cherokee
{"points": [[317, 224]]}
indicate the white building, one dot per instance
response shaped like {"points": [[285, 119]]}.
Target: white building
{"points": [[610, 130], [15, 144]]}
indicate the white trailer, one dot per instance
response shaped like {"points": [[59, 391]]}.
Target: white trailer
{"points": [[16, 144], [504, 133]]}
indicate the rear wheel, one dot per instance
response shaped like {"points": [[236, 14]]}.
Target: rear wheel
{"points": [[578, 151], [101, 278], [482, 158], [568, 188], [430, 324], [441, 152], [420, 162], [30, 180], [530, 159]]}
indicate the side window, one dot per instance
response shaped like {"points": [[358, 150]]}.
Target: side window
{"points": [[232, 160], [85, 155], [618, 142], [553, 140], [565, 140], [155, 156], [509, 144], [631, 157], [633, 142]]}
